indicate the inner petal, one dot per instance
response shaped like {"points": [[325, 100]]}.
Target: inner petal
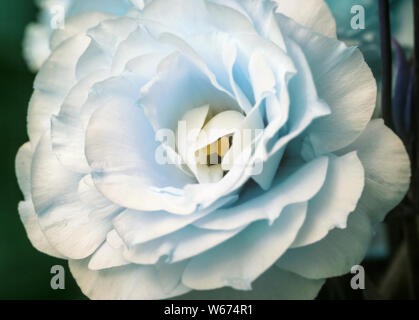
{"points": [[208, 138]]}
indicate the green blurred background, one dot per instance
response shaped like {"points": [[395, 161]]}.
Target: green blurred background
{"points": [[24, 272]]}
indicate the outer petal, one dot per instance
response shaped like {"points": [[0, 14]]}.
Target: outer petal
{"points": [[36, 45], [23, 169], [274, 284], [343, 80], [73, 227], [49, 93], [62, 64], [263, 18], [178, 246], [335, 254], [303, 110], [33, 230], [109, 254], [239, 261], [316, 15], [387, 173], [26, 210], [387, 169], [294, 186], [172, 16], [135, 180], [141, 226], [76, 25], [133, 282], [338, 197], [67, 132]]}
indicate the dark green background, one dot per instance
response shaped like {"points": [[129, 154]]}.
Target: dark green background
{"points": [[24, 272]]}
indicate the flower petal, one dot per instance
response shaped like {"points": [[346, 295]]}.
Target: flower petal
{"points": [[33, 230], [387, 169], [239, 261], [293, 186], [135, 180], [338, 197], [107, 257], [131, 282], [274, 284], [67, 132], [141, 226], [178, 246], [105, 40], [49, 93], [316, 15], [76, 25], [23, 169], [61, 63], [67, 222], [386, 182], [190, 88], [343, 80], [294, 110], [335, 254]]}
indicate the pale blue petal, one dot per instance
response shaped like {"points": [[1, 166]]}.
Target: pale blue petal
{"points": [[293, 186], [61, 64], [387, 169], [23, 163], [178, 246], [33, 230], [107, 256], [66, 221], [387, 173], [49, 93], [130, 282], [274, 284], [67, 132], [338, 197], [26, 210], [172, 16], [315, 16], [239, 261], [343, 80], [335, 254], [292, 111], [136, 180], [141, 226], [105, 39], [189, 87], [76, 26], [138, 43]]}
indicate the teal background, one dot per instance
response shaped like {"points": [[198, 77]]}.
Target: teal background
{"points": [[24, 272]]}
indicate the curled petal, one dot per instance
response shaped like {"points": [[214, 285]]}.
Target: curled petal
{"points": [[130, 282], [239, 261]]}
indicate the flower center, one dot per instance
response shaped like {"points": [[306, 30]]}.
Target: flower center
{"points": [[204, 141], [213, 153]]}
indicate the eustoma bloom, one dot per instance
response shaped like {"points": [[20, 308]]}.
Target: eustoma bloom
{"points": [[296, 204]]}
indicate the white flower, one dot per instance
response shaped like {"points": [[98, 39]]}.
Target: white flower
{"points": [[132, 228]]}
